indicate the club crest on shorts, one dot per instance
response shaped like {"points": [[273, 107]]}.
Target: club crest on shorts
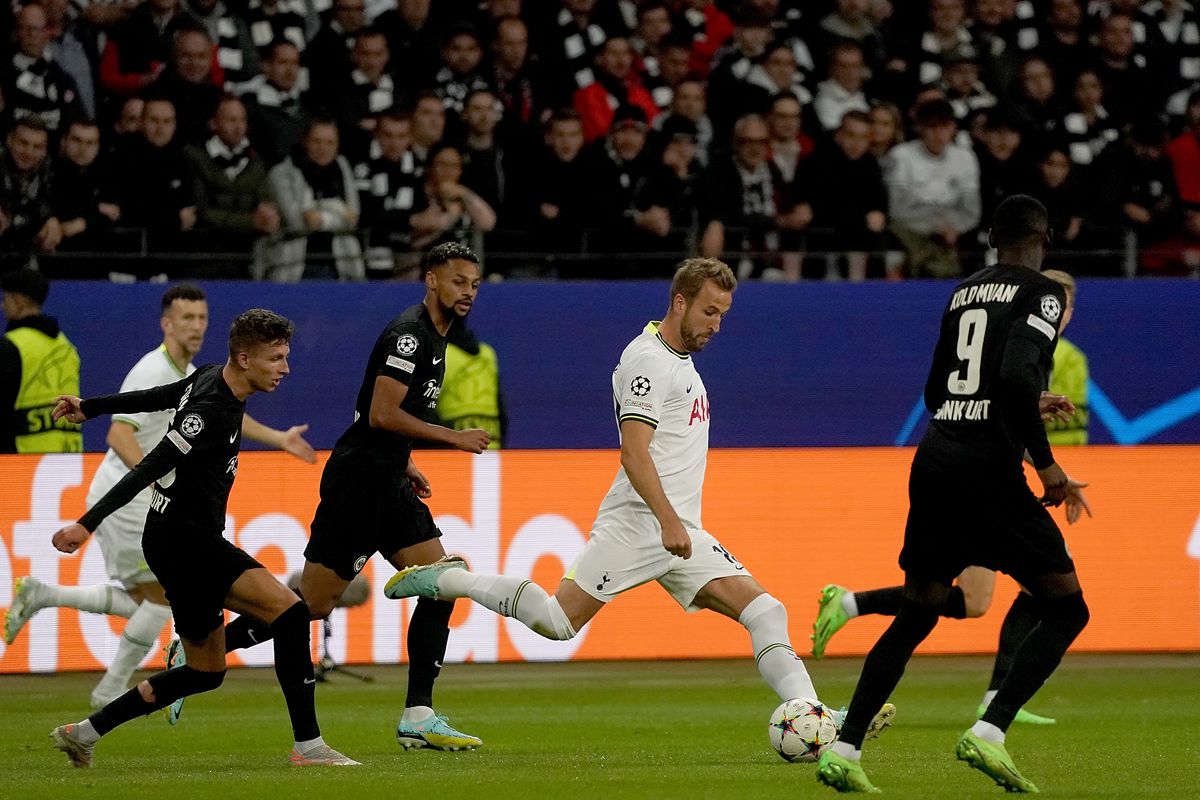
{"points": [[640, 386], [359, 563], [1051, 309], [191, 426], [406, 345]]}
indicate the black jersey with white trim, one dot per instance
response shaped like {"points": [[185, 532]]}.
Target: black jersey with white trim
{"points": [[991, 363], [412, 351], [194, 466]]}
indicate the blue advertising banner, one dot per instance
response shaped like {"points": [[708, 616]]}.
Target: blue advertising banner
{"points": [[795, 365]]}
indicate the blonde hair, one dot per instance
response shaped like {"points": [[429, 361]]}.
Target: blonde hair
{"points": [[1064, 280], [692, 273]]}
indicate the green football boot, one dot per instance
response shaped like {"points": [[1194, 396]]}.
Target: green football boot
{"points": [[830, 618], [994, 761], [421, 580], [843, 774]]}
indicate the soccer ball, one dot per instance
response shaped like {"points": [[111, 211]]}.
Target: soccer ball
{"points": [[801, 730]]}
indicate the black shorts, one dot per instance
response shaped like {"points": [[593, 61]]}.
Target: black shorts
{"points": [[197, 569], [363, 510], [962, 519]]}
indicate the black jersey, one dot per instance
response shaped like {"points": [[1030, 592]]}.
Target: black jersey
{"points": [[193, 467], [411, 351], [991, 363]]}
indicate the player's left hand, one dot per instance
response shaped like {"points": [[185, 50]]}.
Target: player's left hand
{"points": [[420, 483], [294, 442], [1052, 406], [69, 407], [70, 538], [1054, 484], [1076, 501]]}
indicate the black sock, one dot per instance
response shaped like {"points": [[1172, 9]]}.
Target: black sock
{"points": [[885, 666], [428, 632], [168, 686], [955, 606], [246, 631], [1020, 620], [294, 670], [1038, 656], [880, 601]]}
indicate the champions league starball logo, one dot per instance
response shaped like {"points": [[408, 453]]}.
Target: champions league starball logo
{"points": [[1050, 308], [406, 345], [640, 386], [192, 424]]}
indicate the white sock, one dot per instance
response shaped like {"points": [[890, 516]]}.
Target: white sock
{"points": [[519, 598], [85, 733], [988, 732], [766, 619], [988, 697], [309, 745], [846, 750], [850, 605], [98, 599], [416, 714], [140, 634]]}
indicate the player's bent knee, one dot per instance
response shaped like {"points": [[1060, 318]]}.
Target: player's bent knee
{"points": [[764, 609], [207, 681], [555, 623], [1070, 614], [320, 609]]}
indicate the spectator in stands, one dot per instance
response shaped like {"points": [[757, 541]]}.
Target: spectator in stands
{"points": [[561, 208], [573, 42], [844, 187], [1087, 127], [34, 85], [843, 90], [278, 109], [1055, 185], [617, 165], [887, 128], [708, 28], [515, 76], [1065, 47], [1003, 169], [495, 168], [731, 67], [140, 47], [327, 56], [1135, 185], [190, 84], [412, 36], [27, 222], [962, 87], [447, 211], [852, 21], [1184, 152], [1034, 102], [777, 74], [387, 192], [368, 91], [236, 54], [293, 20], [650, 41], [1178, 25], [73, 48], [428, 128], [129, 118], [933, 193], [690, 102], [789, 145], [154, 190], [317, 197], [1000, 39], [461, 71], [665, 202], [234, 206], [616, 84], [83, 191], [1132, 90], [947, 32]]}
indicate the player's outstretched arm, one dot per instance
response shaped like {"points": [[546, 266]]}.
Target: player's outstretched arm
{"points": [[643, 475], [290, 441], [157, 398], [387, 415]]}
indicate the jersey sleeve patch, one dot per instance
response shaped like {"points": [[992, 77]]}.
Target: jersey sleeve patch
{"points": [[192, 425], [1039, 324], [1050, 308], [406, 344], [400, 363], [176, 438]]}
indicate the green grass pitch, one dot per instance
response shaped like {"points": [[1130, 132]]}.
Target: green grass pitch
{"points": [[1129, 727]]}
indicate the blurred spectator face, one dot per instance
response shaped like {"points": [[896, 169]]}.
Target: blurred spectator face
{"points": [[752, 39], [164, 8], [1037, 81], [193, 57], [1001, 142], [946, 16], [750, 141], [1193, 113], [674, 64], [628, 139], [854, 138], [394, 137], [616, 58], [580, 7], [1089, 92], [937, 137], [780, 66], [350, 14], [321, 144], [81, 145], [1116, 37], [130, 119], [885, 129], [204, 7], [370, 56], [229, 123], [498, 9], [56, 12], [679, 153], [784, 119], [991, 13], [283, 67], [429, 121], [846, 68], [566, 139], [26, 147], [853, 10], [32, 35], [690, 100], [1055, 168], [158, 122], [654, 25], [1065, 15], [961, 78], [445, 167], [512, 44], [481, 113], [462, 54]]}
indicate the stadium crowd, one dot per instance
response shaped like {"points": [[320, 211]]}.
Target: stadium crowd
{"points": [[298, 139]]}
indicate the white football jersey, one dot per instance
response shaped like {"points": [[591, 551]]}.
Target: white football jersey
{"points": [[658, 385], [153, 369]]}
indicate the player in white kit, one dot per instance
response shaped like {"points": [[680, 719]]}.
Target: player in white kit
{"points": [[649, 527], [139, 598]]}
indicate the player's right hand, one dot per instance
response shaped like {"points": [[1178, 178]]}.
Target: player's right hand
{"points": [[1054, 485], [472, 440], [70, 538], [1077, 503], [676, 541], [69, 407], [1055, 406]]}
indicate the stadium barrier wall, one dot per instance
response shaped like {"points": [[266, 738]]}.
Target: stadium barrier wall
{"points": [[797, 518]]}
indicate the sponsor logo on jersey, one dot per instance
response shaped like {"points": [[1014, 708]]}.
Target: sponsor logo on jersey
{"points": [[1051, 309], [432, 390], [401, 364], [640, 386], [700, 410], [176, 439], [406, 345], [1040, 324], [191, 426]]}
